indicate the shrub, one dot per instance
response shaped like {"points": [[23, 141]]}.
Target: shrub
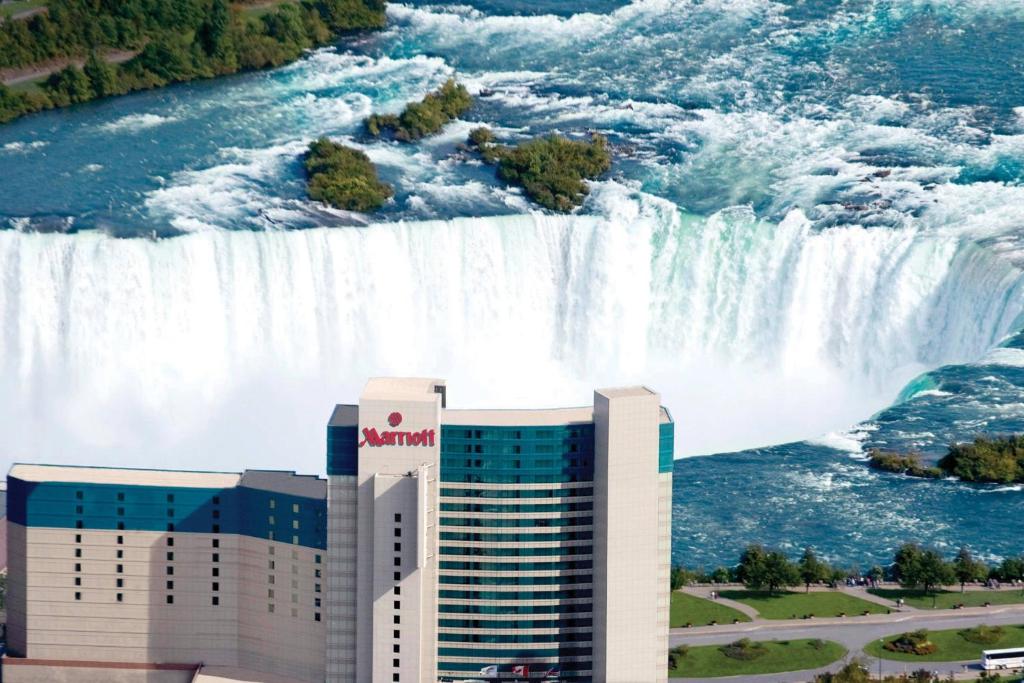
{"points": [[677, 653], [427, 117], [999, 460], [909, 464], [914, 643], [344, 177], [551, 170], [983, 635], [817, 644], [744, 649]]}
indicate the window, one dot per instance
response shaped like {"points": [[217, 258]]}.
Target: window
{"points": [[398, 532], [270, 593], [271, 564], [295, 599], [398, 516], [120, 583], [270, 550], [316, 602], [216, 557], [295, 524], [120, 496], [170, 571], [170, 585], [78, 596], [398, 576], [216, 514], [270, 535], [78, 538], [398, 590], [270, 579], [120, 526], [316, 616], [120, 540], [170, 540], [398, 547], [78, 524], [170, 526], [120, 569], [215, 600], [273, 503], [78, 552], [120, 597], [216, 500], [295, 584], [397, 634], [316, 559], [78, 566], [170, 497], [295, 508], [79, 495], [170, 557], [316, 587], [216, 571], [394, 663], [398, 604], [170, 512], [396, 648], [398, 619], [395, 678], [295, 540], [295, 612], [270, 607], [215, 529], [316, 573], [216, 543], [120, 553], [398, 562], [216, 586], [78, 580], [120, 511], [170, 599]]}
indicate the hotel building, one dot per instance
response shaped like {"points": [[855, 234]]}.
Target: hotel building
{"points": [[445, 545]]}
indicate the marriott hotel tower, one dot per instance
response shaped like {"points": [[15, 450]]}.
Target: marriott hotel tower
{"points": [[445, 545], [497, 544]]}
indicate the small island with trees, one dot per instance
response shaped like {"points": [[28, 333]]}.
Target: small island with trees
{"points": [[995, 460]]}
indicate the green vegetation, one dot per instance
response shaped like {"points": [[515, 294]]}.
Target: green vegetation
{"points": [[176, 41], [712, 661], [917, 567], [983, 635], [998, 460], [427, 117], [689, 609], [551, 170], [912, 643], [11, 8], [343, 177], [857, 671], [944, 599], [790, 605], [949, 646], [909, 464]]}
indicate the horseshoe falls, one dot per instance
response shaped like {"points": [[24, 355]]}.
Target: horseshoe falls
{"points": [[810, 243]]}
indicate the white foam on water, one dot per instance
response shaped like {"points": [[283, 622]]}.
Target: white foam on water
{"points": [[20, 146], [136, 122]]}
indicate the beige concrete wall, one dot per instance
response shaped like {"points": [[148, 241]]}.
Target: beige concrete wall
{"points": [[73, 674], [629, 641], [142, 627], [398, 480]]}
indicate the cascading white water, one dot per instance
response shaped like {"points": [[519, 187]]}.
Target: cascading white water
{"points": [[227, 349]]}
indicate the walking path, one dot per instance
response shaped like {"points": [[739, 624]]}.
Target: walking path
{"points": [[853, 633], [38, 71], [705, 592]]}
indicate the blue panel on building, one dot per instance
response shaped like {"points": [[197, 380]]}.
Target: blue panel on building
{"points": [[343, 450], [666, 445]]}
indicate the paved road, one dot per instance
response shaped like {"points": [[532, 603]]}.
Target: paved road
{"points": [[853, 633]]}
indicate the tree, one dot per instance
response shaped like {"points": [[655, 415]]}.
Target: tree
{"points": [[69, 86], [721, 575], [854, 672], [906, 564], [213, 34], [934, 571], [966, 568], [812, 569], [677, 578], [876, 574], [102, 76], [759, 569], [1012, 569]]}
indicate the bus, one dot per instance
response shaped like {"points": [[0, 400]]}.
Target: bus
{"points": [[1010, 658]]}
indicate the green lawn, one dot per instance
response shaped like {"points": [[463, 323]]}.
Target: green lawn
{"points": [[951, 646], [946, 599], [707, 661], [700, 612], [9, 8], [790, 604]]}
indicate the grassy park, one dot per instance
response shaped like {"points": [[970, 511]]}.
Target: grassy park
{"points": [[712, 661], [950, 646], [790, 604], [10, 8], [689, 609], [944, 599]]}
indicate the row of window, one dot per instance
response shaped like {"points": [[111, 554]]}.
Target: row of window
{"points": [[584, 637], [516, 623], [517, 551], [517, 566], [517, 522], [517, 493]]}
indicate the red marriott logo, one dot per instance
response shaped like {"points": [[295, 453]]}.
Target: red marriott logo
{"points": [[371, 437]]}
